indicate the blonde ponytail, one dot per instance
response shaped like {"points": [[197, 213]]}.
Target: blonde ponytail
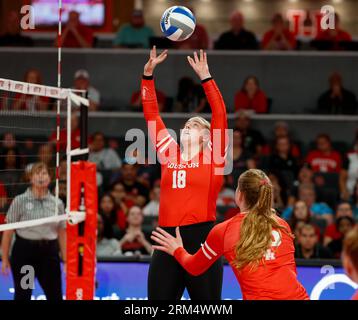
{"points": [[260, 220]]}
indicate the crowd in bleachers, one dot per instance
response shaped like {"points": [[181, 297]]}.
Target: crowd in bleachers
{"points": [[137, 34], [190, 97], [315, 185]]}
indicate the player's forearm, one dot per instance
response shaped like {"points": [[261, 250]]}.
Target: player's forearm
{"points": [[191, 263], [149, 98], [214, 97]]}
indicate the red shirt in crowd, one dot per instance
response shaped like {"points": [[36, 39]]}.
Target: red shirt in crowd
{"points": [[75, 139], [189, 189], [258, 103], [275, 277], [269, 35], [72, 42], [321, 162], [198, 40], [332, 232], [340, 35]]}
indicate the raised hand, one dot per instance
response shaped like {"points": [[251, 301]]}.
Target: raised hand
{"points": [[154, 60], [200, 64], [167, 243]]}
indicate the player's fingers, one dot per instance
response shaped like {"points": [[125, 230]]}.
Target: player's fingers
{"points": [[191, 61], [161, 236], [163, 243], [154, 52], [201, 55], [163, 232], [196, 59], [160, 248], [205, 57], [177, 232]]}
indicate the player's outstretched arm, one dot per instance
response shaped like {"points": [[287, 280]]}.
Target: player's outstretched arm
{"points": [[153, 61], [195, 264], [199, 63], [158, 133]]}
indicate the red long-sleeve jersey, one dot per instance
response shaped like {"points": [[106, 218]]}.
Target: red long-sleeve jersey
{"points": [[189, 189], [275, 278]]}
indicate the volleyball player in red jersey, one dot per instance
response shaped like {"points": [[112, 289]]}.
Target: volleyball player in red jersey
{"points": [[192, 176], [256, 242]]}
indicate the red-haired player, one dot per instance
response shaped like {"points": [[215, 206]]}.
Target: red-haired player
{"points": [[256, 242], [192, 176]]}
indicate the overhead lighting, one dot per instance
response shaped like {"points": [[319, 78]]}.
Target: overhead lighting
{"points": [[337, 1]]}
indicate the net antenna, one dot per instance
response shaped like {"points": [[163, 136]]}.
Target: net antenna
{"points": [[67, 99]]}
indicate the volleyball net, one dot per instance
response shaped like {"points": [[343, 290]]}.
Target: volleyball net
{"points": [[41, 128]]}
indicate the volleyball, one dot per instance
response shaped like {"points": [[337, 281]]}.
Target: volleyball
{"points": [[177, 23]]}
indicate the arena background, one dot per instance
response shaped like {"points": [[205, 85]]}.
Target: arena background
{"points": [[292, 80]]}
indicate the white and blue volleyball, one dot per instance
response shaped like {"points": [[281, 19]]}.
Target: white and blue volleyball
{"points": [[178, 23]]}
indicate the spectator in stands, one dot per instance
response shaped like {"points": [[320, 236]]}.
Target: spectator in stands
{"points": [[8, 141], [106, 247], [337, 99], [251, 97], [253, 140], [280, 195], [135, 191], [301, 215], [279, 37], [136, 101], [198, 40], [31, 102], [134, 241], [136, 34], [226, 195], [191, 97], [108, 212], [75, 34], [350, 256], [282, 159], [349, 172], [75, 134], [82, 82], [122, 203], [11, 170], [242, 158], [238, 38], [46, 155], [104, 158], [152, 208], [319, 210], [344, 225], [12, 36], [281, 129], [335, 36], [344, 209], [308, 246], [324, 158]]}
